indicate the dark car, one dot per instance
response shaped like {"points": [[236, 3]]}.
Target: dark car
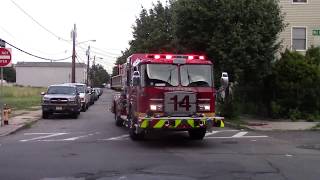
{"points": [[92, 95], [61, 98]]}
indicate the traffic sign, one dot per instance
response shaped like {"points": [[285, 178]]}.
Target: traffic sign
{"points": [[5, 57]]}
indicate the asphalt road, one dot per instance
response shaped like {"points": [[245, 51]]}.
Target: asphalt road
{"points": [[92, 147]]}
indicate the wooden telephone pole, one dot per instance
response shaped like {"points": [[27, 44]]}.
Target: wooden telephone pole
{"points": [[73, 71]]}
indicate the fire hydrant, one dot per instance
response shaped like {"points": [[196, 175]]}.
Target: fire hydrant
{"points": [[6, 112]]}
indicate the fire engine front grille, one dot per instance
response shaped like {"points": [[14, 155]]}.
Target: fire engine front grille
{"points": [[59, 100], [180, 103]]}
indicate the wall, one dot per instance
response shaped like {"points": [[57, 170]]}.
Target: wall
{"points": [[45, 76], [307, 15]]}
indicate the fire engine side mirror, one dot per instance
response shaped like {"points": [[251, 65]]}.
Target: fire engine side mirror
{"points": [[224, 80], [136, 78]]}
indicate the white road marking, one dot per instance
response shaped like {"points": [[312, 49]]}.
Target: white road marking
{"points": [[116, 138], [240, 134], [42, 137], [215, 132], [68, 139], [231, 137]]}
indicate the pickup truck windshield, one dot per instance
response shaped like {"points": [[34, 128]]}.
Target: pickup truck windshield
{"points": [[160, 75], [61, 90], [81, 88], [196, 75]]}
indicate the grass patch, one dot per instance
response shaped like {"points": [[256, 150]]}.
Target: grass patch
{"points": [[317, 127], [20, 98]]}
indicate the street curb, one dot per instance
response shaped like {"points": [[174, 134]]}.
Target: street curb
{"points": [[21, 127], [237, 126], [24, 126], [246, 127]]}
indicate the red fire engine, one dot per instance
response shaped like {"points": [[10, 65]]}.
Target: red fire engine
{"points": [[167, 92]]}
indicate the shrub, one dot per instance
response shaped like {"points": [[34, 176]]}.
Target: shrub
{"points": [[296, 84]]}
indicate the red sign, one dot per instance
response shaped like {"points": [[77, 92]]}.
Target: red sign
{"points": [[5, 57]]}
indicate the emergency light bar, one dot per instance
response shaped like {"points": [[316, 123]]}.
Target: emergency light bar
{"points": [[169, 56]]}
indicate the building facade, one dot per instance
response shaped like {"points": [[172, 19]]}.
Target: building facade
{"points": [[302, 18], [43, 74]]}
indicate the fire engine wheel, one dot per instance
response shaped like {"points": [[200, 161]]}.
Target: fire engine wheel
{"points": [[118, 120], [197, 134], [134, 135]]}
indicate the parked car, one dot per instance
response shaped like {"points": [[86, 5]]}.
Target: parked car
{"points": [[98, 91], [95, 94], [84, 95], [61, 98], [92, 95]]}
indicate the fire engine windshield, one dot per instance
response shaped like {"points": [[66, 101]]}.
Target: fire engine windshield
{"points": [[160, 75], [196, 75]]}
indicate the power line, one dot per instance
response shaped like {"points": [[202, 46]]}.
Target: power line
{"points": [[112, 54], [48, 59], [34, 20]]}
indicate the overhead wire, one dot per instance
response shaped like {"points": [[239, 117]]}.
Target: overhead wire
{"points": [[39, 57], [37, 22]]}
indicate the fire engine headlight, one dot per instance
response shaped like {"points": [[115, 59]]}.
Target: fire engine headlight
{"points": [[156, 107], [204, 107]]}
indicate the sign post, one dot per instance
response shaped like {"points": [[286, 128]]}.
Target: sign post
{"points": [[5, 60]]}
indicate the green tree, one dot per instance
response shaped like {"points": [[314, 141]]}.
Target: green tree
{"points": [[239, 35], [152, 32], [99, 75], [9, 74]]}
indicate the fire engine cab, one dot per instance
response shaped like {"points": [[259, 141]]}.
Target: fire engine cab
{"points": [[166, 92]]}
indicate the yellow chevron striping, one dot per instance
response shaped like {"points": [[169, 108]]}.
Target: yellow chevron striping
{"points": [[160, 124], [177, 123], [144, 124], [191, 122], [222, 124]]}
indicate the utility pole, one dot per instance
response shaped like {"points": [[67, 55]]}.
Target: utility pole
{"points": [[2, 45], [88, 55], [73, 71]]}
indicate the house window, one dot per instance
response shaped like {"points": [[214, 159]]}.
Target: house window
{"points": [[299, 1], [299, 38]]}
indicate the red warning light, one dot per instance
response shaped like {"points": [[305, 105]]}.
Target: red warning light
{"points": [[168, 57], [201, 57], [157, 56], [190, 57]]}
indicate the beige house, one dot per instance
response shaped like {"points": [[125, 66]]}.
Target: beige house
{"points": [[303, 24], [43, 74]]}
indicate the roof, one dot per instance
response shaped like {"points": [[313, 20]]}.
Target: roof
{"points": [[149, 58], [48, 64], [64, 85]]}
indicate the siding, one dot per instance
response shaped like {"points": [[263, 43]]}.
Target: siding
{"points": [[45, 76], [301, 15]]}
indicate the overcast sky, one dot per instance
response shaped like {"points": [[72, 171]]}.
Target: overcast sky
{"points": [[109, 22]]}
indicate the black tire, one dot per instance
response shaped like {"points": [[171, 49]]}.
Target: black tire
{"points": [[75, 115], [118, 120], [197, 134], [83, 108], [45, 115], [136, 136]]}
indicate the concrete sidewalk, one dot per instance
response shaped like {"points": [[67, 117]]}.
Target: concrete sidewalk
{"points": [[20, 120], [275, 125]]}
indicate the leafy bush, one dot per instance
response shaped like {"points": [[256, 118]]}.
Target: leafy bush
{"points": [[296, 84]]}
